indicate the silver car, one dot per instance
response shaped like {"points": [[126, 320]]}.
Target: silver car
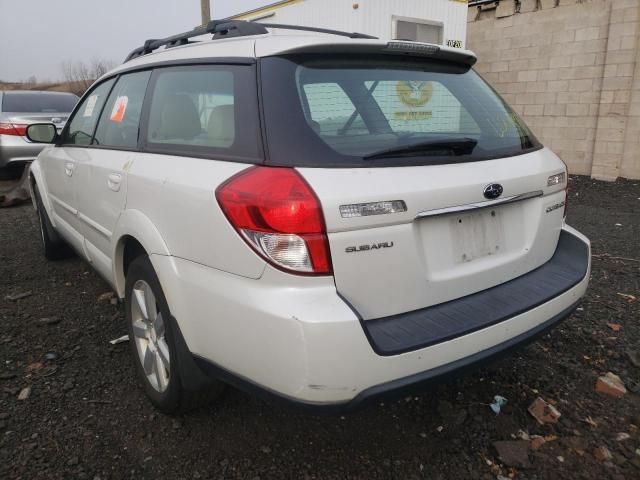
{"points": [[19, 108]]}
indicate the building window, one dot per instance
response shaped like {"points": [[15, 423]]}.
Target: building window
{"points": [[418, 31]]}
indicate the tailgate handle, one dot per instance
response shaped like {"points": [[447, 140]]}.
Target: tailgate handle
{"points": [[113, 181], [475, 206]]}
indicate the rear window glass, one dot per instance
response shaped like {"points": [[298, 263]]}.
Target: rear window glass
{"points": [[380, 110], [205, 111], [38, 102]]}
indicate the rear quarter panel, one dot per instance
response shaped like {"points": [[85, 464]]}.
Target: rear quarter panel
{"points": [[177, 195]]}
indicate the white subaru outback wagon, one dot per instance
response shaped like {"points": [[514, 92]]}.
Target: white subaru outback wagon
{"points": [[319, 217]]}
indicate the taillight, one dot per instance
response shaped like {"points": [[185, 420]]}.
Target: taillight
{"points": [[277, 213], [17, 129]]}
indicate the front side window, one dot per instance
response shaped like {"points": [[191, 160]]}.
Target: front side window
{"points": [[205, 111], [120, 119], [347, 111], [82, 125]]}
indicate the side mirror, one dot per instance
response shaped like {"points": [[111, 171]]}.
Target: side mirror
{"points": [[42, 132]]}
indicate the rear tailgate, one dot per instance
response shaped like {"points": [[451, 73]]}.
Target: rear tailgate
{"points": [[399, 262]]}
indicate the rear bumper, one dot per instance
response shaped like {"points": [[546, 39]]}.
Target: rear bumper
{"points": [[412, 384], [15, 150], [298, 342], [439, 323]]}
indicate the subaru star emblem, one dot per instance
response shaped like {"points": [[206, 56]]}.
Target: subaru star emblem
{"points": [[493, 191]]}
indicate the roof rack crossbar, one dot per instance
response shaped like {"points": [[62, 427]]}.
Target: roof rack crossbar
{"points": [[226, 29]]}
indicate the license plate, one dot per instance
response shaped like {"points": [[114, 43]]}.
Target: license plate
{"points": [[476, 235]]}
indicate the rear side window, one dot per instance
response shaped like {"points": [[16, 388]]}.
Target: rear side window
{"points": [[83, 123], [208, 111], [120, 119], [38, 102]]}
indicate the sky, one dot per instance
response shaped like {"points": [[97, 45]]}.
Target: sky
{"points": [[37, 36]]}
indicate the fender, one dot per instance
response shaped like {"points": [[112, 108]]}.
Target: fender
{"points": [[134, 223]]}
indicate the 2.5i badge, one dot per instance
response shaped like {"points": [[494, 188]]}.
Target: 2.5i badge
{"points": [[366, 248]]}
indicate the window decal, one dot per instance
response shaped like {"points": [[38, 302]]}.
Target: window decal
{"points": [[91, 104], [119, 109]]}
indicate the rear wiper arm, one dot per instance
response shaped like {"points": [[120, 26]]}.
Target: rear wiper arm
{"points": [[458, 146]]}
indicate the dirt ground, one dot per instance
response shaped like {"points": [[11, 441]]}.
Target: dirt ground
{"points": [[86, 417]]}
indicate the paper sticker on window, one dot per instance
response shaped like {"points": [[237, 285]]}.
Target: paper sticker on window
{"points": [[91, 103], [119, 109]]}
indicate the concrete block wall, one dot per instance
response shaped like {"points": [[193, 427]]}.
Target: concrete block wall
{"points": [[571, 68]]}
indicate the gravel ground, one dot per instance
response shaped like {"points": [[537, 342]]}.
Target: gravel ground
{"points": [[86, 416]]}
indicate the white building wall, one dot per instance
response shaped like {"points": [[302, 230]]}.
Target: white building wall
{"points": [[374, 17]]}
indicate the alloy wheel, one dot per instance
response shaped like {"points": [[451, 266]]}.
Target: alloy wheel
{"points": [[149, 336]]}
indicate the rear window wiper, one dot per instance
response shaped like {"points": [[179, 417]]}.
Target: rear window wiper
{"points": [[449, 146]]}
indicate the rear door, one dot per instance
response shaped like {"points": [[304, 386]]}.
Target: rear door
{"points": [[59, 163], [101, 173], [433, 188]]}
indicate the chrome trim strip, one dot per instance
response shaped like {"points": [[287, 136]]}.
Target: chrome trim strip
{"points": [[478, 205]]}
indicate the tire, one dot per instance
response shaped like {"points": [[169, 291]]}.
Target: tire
{"points": [[54, 247], [153, 340]]}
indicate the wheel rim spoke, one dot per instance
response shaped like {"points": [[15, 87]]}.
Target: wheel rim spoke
{"points": [[150, 303], [139, 295], [163, 353], [158, 325], [148, 361], [161, 376], [139, 329]]}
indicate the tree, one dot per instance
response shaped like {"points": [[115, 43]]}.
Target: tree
{"points": [[80, 75]]}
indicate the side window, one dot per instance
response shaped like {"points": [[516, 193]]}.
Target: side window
{"points": [[83, 123], [207, 110], [120, 119], [331, 110]]}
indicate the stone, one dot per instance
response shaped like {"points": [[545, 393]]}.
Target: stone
{"points": [[513, 453], [18, 296], [545, 4], [602, 454], [537, 442], [106, 297], [25, 393], [544, 412], [610, 384], [49, 321]]}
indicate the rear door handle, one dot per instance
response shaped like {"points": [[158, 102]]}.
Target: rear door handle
{"points": [[113, 181], [69, 167]]}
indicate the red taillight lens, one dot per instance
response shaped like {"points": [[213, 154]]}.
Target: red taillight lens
{"points": [[16, 129], [279, 215]]}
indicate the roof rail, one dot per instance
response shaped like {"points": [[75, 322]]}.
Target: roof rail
{"points": [[226, 29]]}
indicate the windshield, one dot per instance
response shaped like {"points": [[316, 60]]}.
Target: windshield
{"points": [[40, 102], [349, 111]]}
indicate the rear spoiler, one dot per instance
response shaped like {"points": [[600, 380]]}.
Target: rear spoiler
{"points": [[394, 47]]}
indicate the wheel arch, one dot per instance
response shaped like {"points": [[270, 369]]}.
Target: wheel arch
{"points": [[136, 234], [36, 177]]}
